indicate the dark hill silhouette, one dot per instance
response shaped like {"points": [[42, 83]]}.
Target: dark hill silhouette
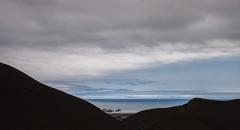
{"points": [[26, 104], [197, 114]]}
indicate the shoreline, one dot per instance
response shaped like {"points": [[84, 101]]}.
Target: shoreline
{"points": [[121, 116]]}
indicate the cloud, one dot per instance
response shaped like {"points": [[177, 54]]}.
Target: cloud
{"points": [[85, 91], [88, 92], [97, 62], [116, 24], [56, 39]]}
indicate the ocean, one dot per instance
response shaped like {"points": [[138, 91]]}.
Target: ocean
{"points": [[135, 105]]}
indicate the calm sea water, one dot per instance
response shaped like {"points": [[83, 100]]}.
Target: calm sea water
{"points": [[136, 105]]}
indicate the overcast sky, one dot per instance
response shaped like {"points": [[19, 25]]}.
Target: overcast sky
{"points": [[137, 48]]}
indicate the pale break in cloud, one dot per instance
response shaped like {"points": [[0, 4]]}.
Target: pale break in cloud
{"points": [[94, 61]]}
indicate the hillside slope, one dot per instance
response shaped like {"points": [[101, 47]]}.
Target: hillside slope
{"points": [[197, 114], [26, 104]]}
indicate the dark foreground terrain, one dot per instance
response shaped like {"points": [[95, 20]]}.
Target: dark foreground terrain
{"points": [[198, 114], [26, 104]]}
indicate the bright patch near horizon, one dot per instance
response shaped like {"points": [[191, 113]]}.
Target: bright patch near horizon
{"points": [[92, 62]]}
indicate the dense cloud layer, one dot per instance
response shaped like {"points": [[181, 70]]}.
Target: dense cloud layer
{"points": [[68, 38]]}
